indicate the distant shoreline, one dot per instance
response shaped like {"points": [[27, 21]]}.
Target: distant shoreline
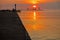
{"points": [[10, 10]]}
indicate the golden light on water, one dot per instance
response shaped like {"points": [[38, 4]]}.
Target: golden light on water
{"points": [[34, 17], [33, 20]]}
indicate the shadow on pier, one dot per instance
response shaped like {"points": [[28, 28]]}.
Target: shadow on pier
{"points": [[11, 27]]}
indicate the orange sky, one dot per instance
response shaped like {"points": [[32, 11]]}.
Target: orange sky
{"points": [[26, 1]]}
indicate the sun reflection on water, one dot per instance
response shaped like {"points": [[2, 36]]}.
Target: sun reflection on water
{"points": [[34, 16], [33, 20], [38, 24]]}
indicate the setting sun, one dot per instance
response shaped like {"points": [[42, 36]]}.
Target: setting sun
{"points": [[34, 6]]}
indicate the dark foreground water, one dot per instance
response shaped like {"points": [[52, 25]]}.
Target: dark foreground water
{"points": [[42, 25]]}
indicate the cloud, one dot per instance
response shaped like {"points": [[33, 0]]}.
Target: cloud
{"points": [[25, 1]]}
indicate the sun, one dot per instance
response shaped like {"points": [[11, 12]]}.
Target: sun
{"points": [[34, 6]]}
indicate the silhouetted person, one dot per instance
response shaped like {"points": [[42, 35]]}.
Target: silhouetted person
{"points": [[15, 6]]}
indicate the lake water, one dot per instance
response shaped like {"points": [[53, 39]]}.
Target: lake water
{"points": [[42, 25]]}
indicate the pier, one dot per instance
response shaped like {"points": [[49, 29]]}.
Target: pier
{"points": [[11, 27]]}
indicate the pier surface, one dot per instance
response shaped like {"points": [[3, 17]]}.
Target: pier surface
{"points": [[11, 27]]}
